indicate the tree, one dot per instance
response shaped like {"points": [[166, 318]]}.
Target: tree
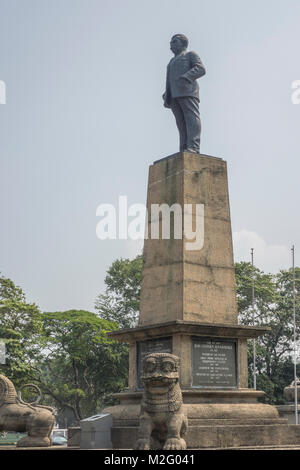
{"points": [[20, 329], [79, 365], [121, 300], [68, 354], [273, 307]]}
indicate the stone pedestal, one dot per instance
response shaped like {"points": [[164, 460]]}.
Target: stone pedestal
{"points": [[188, 308], [288, 412], [179, 337], [180, 282]]}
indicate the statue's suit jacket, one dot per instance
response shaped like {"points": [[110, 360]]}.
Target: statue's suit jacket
{"points": [[189, 66]]}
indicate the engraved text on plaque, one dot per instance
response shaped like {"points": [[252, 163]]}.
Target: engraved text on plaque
{"points": [[214, 363]]}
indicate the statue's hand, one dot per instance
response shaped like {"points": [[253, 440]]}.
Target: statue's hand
{"points": [[164, 97], [184, 80]]}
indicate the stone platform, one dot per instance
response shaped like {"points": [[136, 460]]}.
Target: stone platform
{"points": [[216, 419], [225, 436]]}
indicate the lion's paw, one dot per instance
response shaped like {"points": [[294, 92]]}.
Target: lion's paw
{"points": [[173, 443], [31, 441], [142, 444]]}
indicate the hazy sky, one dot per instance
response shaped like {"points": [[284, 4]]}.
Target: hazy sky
{"points": [[84, 120]]}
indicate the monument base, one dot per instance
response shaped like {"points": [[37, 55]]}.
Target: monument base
{"points": [[226, 415], [222, 437], [212, 356], [216, 419]]}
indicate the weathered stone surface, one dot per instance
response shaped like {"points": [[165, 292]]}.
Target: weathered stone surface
{"points": [[206, 413], [190, 285], [223, 436], [162, 422], [218, 330], [288, 412], [15, 415], [289, 392], [181, 333], [150, 346], [202, 408]]}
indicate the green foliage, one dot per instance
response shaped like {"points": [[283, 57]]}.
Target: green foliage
{"points": [[80, 365], [273, 307], [20, 329], [121, 300]]}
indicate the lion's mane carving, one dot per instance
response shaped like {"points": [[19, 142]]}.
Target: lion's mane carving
{"points": [[162, 421]]}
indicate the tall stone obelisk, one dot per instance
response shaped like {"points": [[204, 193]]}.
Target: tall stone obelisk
{"points": [[189, 293], [183, 279]]}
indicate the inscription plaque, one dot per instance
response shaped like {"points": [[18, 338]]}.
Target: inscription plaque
{"points": [[150, 346], [214, 363]]}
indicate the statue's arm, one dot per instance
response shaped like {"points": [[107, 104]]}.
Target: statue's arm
{"points": [[166, 95], [197, 69]]}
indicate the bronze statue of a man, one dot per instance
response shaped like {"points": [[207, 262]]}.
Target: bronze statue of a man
{"points": [[182, 92]]}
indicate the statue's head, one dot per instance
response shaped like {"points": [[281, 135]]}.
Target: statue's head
{"points": [[160, 371], [179, 42]]}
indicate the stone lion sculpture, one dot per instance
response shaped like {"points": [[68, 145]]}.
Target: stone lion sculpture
{"points": [[16, 415], [162, 421]]}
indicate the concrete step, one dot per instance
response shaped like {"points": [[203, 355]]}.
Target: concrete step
{"points": [[283, 447], [223, 436]]}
